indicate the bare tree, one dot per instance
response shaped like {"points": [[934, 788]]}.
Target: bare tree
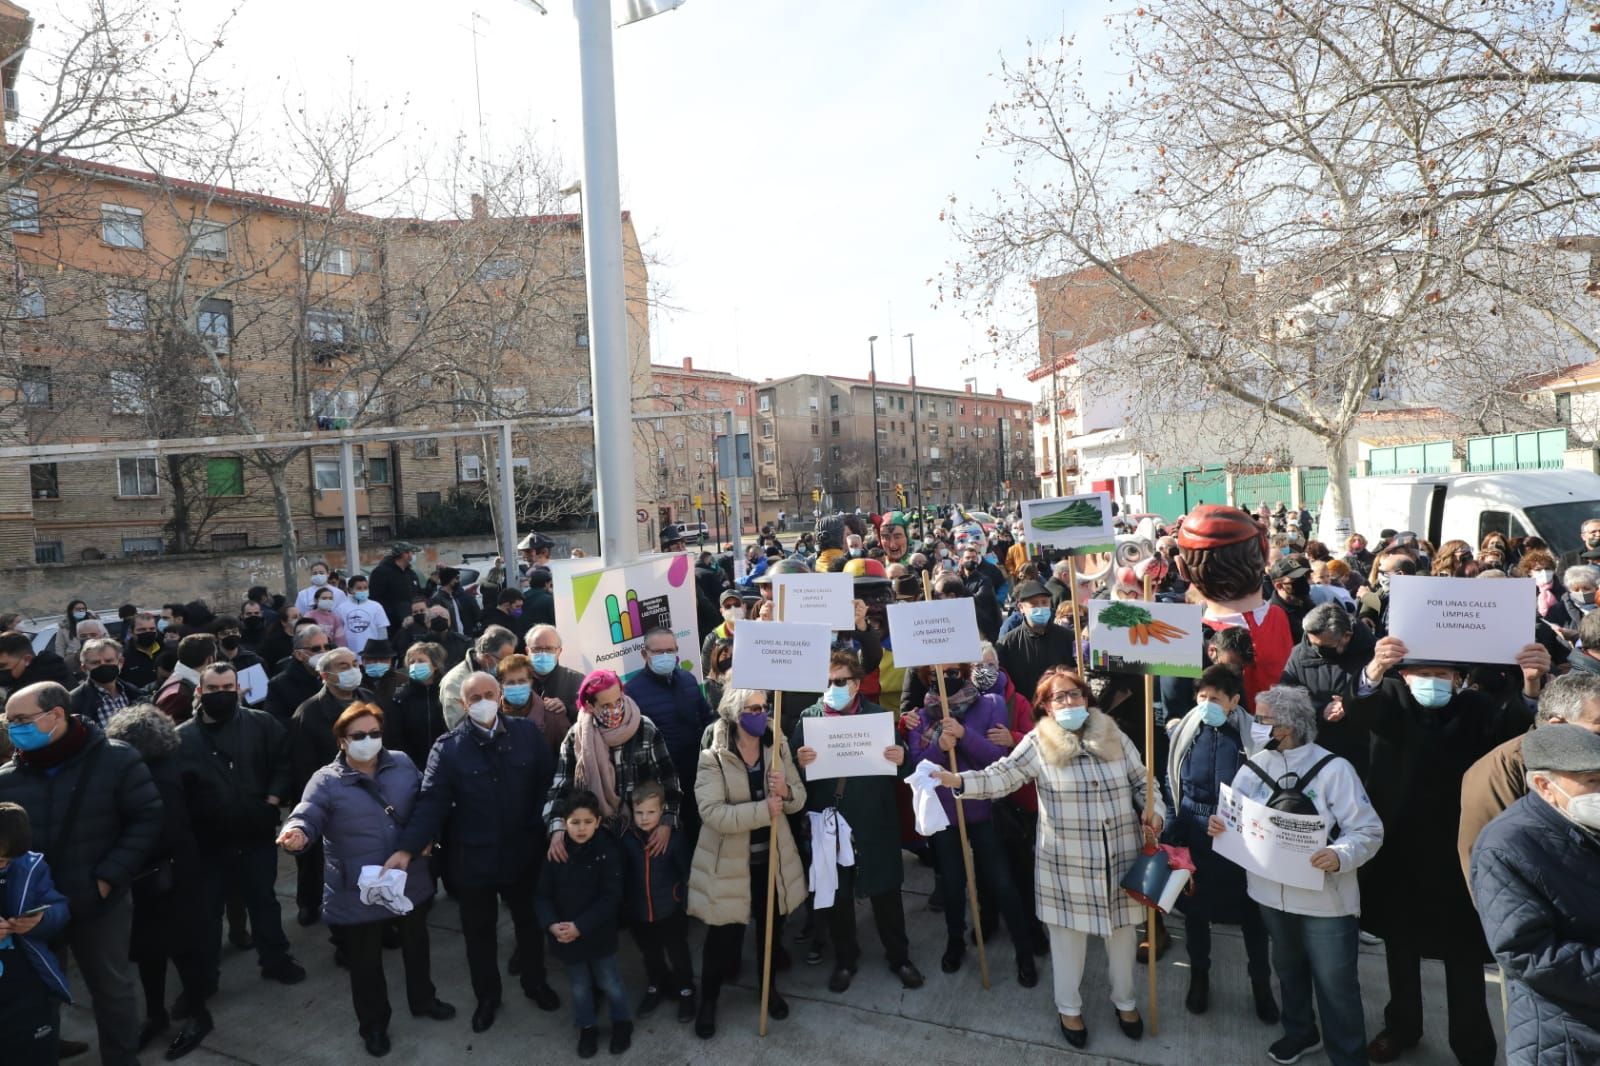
{"points": [[1292, 209]]}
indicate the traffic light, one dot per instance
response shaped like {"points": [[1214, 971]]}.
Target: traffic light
{"points": [[900, 495], [816, 495], [722, 495]]}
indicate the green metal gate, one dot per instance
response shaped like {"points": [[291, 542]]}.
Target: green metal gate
{"points": [[1313, 486], [1173, 493], [1269, 487]]}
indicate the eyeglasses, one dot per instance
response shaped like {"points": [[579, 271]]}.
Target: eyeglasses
{"points": [[318, 650], [546, 648], [371, 734], [1067, 697], [836, 681], [754, 708], [29, 720]]}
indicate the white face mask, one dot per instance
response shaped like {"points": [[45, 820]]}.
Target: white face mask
{"points": [[364, 750], [1583, 809], [484, 711], [1544, 577], [319, 579]]}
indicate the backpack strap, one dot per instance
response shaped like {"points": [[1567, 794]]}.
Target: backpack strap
{"points": [[1271, 781], [1305, 780]]}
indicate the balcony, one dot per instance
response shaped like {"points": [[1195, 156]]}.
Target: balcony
{"points": [[1041, 412]]}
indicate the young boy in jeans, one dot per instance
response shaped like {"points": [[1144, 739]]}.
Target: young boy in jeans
{"points": [[577, 902], [654, 895], [31, 912]]}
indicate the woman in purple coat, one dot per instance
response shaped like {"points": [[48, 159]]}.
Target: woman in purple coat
{"points": [[969, 731]]}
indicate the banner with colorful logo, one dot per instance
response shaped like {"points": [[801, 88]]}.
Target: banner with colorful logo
{"points": [[604, 614]]}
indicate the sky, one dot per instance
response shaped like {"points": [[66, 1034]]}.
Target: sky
{"points": [[785, 162]]}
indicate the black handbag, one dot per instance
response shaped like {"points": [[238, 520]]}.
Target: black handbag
{"points": [[155, 880]]}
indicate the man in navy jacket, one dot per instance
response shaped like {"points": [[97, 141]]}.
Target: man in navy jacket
{"points": [[670, 697]]}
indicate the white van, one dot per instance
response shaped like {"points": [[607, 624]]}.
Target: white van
{"points": [[1552, 504]]}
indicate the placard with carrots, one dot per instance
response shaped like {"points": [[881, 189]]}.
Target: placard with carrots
{"points": [[1141, 637]]}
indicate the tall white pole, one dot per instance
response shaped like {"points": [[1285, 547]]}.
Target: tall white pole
{"points": [[508, 508], [610, 362], [347, 489]]}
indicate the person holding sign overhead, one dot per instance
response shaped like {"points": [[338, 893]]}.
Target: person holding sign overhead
{"points": [[871, 831], [1091, 783], [743, 799], [1313, 931]]}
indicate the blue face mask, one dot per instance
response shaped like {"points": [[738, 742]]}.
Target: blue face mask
{"points": [[1430, 691], [359, 595], [837, 697], [543, 662], [989, 557], [161, 625], [419, 671], [1072, 718], [376, 669], [663, 664], [1211, 713], [1039, 616], [517, 695]]}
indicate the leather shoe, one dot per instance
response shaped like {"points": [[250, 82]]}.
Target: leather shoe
{"points": [[1132, 1030], [544, 997], [1266, 1006], [588, 1041], [1027, 970], [1386, 1048], [950, 961], [1075, 1037], [910, 976], [189, 1037], [777, 1007], [286, 971], [308, 915], [377, 1043], [705, 1019], [1199, 997], [483, 1016], [438, 1010], [650, 1001], [839, 980]]}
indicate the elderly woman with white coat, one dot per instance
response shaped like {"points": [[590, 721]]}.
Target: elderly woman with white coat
{"points": [[1092, 802], [743, 798], [1314, 931]]}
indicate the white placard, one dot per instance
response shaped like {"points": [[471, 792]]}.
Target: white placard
{"points": [[848, 745], [826, 599], [933, 632], [1273, 844], [1462, 619], [1077, 523], [781, 656]]}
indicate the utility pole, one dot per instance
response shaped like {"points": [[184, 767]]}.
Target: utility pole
{"points": [[877, 468], [916, 438]]}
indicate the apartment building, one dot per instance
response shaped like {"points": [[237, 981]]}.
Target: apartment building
{"points": [[815, 433], [691, 405]]}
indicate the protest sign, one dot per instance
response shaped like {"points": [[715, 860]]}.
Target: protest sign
{"points": [[849, 745], [782, 656], [826, 599], [1273, 844], [1079, 524], [932, 632], [604, 614], [1462, 619], [1146, 637]]}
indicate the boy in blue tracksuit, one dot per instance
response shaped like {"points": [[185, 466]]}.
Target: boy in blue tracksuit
{"points": [[31, 980], [654, 891]]}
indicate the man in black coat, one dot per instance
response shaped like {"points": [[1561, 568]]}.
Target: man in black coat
{"points": [[393, 582], [21, 666], [486, 781], [235, 776], [1327, 663], [278, 643], [1037, 644], [538, 603], [298, 681], [103, 692], [985, 592], [143, 647], [1291, 591], [95, 815]]}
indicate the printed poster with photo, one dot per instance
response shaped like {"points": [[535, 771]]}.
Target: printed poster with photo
{"points": [[1143, 637], [1077, 524]]}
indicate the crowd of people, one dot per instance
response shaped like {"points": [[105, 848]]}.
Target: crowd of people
{"points": [[407, 741]]}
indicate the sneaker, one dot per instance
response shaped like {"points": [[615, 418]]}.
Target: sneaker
{"points": [[650, 1001], [1368, 939], [1286, 1050], [686, 1005], [815, 953]]}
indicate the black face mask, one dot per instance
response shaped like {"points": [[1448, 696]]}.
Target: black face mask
{"points": [[105, 673], [219, 706], [1327, 651], [420, 618], [952, 681], [230, 643], [440, 625], [146, 639], [252, 624]]}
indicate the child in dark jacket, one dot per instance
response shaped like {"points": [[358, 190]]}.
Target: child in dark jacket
{"points": [[578, 903], [656, 889], [31, 979]]}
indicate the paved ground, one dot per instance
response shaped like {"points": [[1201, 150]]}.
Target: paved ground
{"points": [[950, 1020]]}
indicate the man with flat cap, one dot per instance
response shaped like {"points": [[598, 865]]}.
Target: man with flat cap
{"points": [[1534, 872]]}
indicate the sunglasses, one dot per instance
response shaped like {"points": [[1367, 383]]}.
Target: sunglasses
{"points": [[373, 734], [318, 650]]}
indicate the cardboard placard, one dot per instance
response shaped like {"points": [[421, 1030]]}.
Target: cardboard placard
{"points": [[1462, 619], [1079, 524], [1144, 637], [825, 599], [781, 656], [849, 745], [933, 632], [603, 613]]}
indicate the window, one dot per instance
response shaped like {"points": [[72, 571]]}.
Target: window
{"points": [[816, 429], [225, 476], [471, 468], [46, 486], [382, 534], [881, 403], [122, 227], [833, 428], [35, 386], [766, 454], [230, 542], [137, 477], [30, 302], [48, 551], [498, 269], [127, 309], [208, 240], [902, 400], [215, 322], [948, 407], [699, 455], [766, 427], [335, 404], [429, 501], [933, 453], [834, 453], [216, 396], [333, 537], [328, 259], [738, 398], [714, 394], [580, 331], [933, 430], [816, 455], [962, 407], [23, 207], [963, 432], [1563, 404], [833, 403], [811, 401], [325, 475], [127, 396], [511, 398], [766, 402], [425, 448], [661, 424], [678, 441], [378, 471], [325, 327], [682, 469], [142, 545], [658, 388], [769, 483]]}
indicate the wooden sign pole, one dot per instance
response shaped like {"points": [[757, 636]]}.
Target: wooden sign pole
{"points": [[1149, 800], [772, 848]]}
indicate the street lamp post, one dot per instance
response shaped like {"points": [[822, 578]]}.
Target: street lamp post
{"points": [[916, 437], [1055, 405], [877, 469]]}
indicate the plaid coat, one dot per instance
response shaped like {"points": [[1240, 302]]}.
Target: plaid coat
{"points": [[642, 757], [1090, 791]]}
